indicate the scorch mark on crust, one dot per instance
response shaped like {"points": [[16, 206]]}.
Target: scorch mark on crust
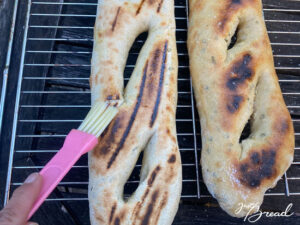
{"points": [[241, 71], [259, 166], [150, 208], [172, 159], [161, 80], [140, 6], [113, 209], [113, 26], [159, 6], [132, 118], [153, 175]]}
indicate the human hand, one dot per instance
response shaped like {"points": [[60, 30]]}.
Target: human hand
{"points": [[23, 198]]}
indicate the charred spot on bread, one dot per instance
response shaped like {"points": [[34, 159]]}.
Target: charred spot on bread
{"points": [[147, 216], [228, 12], [171, 173], [138, 206], [150, 2], [160, 86], [172, 159], [108, 136], [113, 97], [112, 212], [234, 103], [140, 7], [235, 1], [145, 195], [153, 175], [113, 26], [255, 158], [159, 6], [257, 167], [284, 127], [156, 202], [132, 118], [261, 165], [117, 125], [162, 204], [117, 221], [155, 60], [281, 127], [236, 78], [104, 133], [240, 72]]}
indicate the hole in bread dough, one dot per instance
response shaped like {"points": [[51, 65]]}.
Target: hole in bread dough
{"points": [[246, 131], [233, 39], [134, 178], [133, 54]]}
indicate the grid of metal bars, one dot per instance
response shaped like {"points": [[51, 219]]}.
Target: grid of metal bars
{"points": [[191, 135]]}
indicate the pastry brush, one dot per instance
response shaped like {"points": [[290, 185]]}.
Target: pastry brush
{"points": [[77, 143]]}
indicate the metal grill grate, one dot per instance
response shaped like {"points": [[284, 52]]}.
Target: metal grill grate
{"points": [[53, 92]]}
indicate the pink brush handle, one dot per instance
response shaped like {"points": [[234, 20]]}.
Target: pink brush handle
{"points": [[76, 144]]}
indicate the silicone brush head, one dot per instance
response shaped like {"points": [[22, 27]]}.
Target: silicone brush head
{"points": [[98, 118]]}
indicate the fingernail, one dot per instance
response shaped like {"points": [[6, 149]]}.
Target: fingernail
{"points": [[32, 177]]}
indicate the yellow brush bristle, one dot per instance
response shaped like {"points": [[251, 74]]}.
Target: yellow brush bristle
{"points": [[98, 118]]}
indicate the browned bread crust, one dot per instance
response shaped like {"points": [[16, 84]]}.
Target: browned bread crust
{"points": [[146, 120], [231, 87]]}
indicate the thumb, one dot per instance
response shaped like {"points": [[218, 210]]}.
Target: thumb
{"points": [[23, 198]]}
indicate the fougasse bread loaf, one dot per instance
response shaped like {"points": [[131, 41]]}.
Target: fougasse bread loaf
{"points": [[146, 119], [234, 85]]}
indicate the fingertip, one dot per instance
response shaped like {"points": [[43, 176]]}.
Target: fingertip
{"points": [[32, 178], [31, 186], [34, 181]]}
